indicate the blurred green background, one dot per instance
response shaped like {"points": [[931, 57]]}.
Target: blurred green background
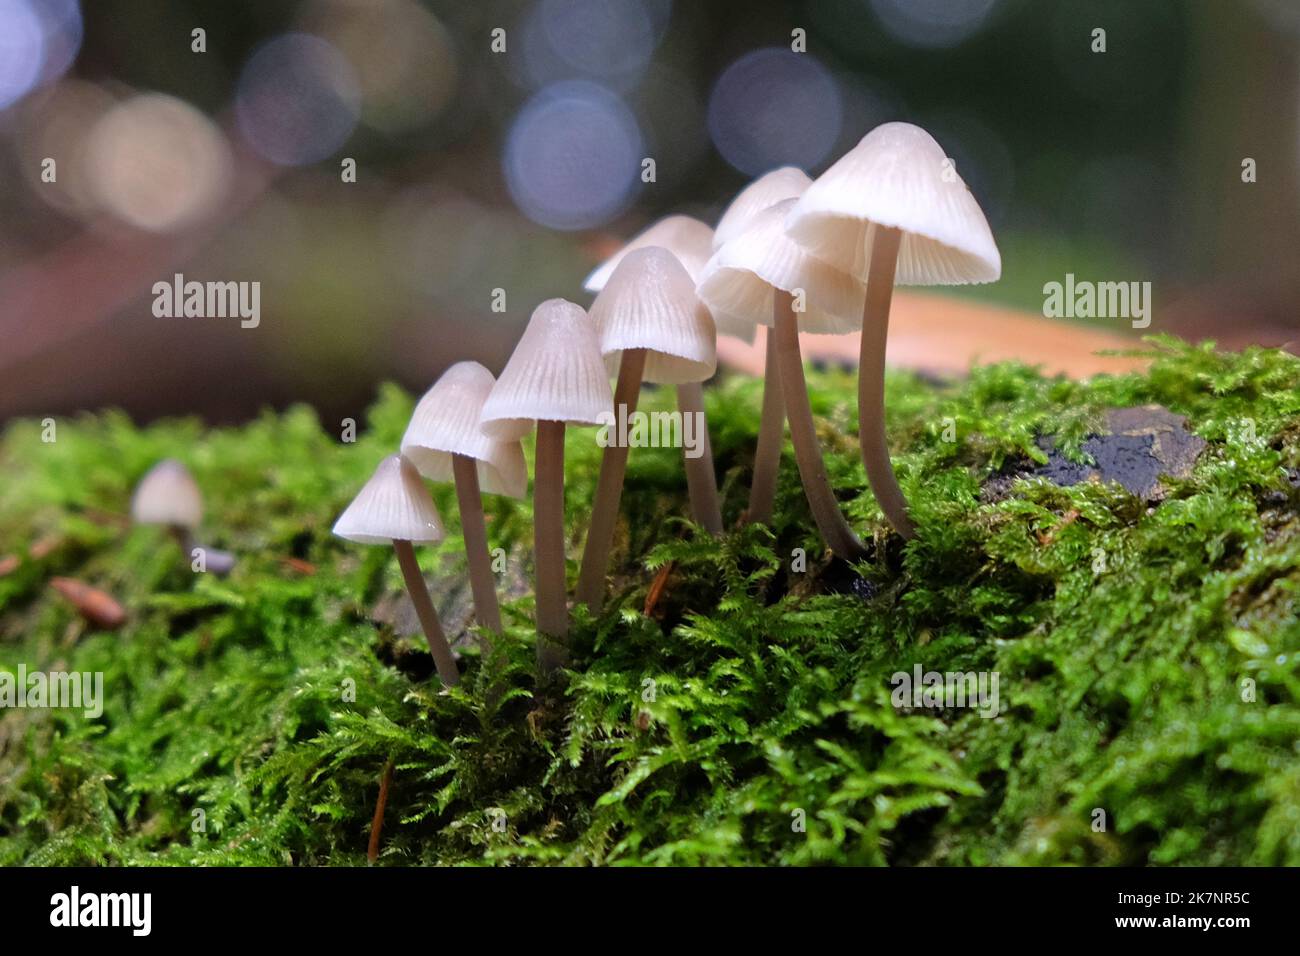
{"points": [[519, 169]]}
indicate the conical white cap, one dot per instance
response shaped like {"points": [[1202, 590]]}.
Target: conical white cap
{"points": [[738, 282], [555, 374], [445, 423], [898, 176], [650, 303], [167, 494], [767, 190], [393, 506], [690, 240]]}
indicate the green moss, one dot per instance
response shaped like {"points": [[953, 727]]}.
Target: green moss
{"points": [[754, 696]]}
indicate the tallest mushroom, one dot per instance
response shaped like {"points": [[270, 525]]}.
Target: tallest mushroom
{"points": [[892, 210]]}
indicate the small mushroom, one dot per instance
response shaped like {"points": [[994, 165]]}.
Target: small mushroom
{"points": [[892, 210], [764, 192], [690, 240], [554, 377], [760, 272], [394, 508], [169, 496], [444, 442], [653, 328]]}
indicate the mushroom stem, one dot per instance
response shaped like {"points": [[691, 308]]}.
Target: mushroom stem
{"points": [[474, 530], [419, 593], [548, 545], [771, 432], [835, 531], [701, 482], [609, 487], [871, 380]]}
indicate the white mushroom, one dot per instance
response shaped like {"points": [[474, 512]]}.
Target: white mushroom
{"points": [[394, 508], [690, 240], [761, 272], [445, 443], [893, 210], [765, 191], [653, 328], [554, 377]]}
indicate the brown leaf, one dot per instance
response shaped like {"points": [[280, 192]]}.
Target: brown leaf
{"points": [[97, 607]]}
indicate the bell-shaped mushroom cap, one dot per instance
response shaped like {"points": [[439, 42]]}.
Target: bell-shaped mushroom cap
{"points": [[650, 303], [739, 280], [445, 423], [898, 176], [769, 189], [556, 374], [393, 506], [690, 240], [167, 494]]}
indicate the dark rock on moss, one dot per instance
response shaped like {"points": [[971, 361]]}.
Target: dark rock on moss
{"points": [[1141, 445]]}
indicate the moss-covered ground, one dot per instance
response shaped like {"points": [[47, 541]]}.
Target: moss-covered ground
{"points": [[1147, 651]]}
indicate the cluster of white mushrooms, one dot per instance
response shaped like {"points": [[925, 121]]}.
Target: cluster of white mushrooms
{"points": [[789, 253]]}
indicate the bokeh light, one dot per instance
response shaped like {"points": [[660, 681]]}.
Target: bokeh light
{"points": [[157, 163], [774, 107], [39, 39], [298, 99], [22, 50], [611, 41], [405, 60], [62, 28], [56, 124], [932, 23], [573, 156]]}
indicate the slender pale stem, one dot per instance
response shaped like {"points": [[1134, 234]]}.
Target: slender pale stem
{"points": [[419, 593], [871, 381], [609, 487], [548, 545], [835, 531], [771, 432], [701, 482], [474, 530]]}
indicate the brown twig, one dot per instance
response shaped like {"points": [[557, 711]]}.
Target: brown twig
{"points": [[377, 824]]}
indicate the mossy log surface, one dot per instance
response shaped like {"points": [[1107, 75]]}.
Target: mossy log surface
{"points": [[730, 705]]}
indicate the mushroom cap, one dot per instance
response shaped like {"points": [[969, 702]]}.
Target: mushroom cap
{"points": [[690, 240], [555, 374], [650, 303], [169, 495], [739, 280], [898, 176], [788, 182], [445, 423], [392, 506]]}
